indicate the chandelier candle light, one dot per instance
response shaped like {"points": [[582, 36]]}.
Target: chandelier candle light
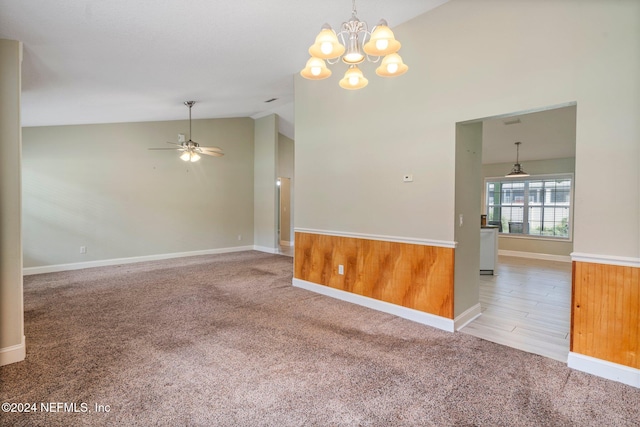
{"points": [[355, 44]]}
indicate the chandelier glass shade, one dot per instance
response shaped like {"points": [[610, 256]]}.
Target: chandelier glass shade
{"points": [[353, 79], [353, 45], [316, 69]]}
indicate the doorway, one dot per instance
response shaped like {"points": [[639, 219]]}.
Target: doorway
{"points": [[526, 303], [285, 233]]}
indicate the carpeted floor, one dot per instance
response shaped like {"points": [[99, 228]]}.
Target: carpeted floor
{"points": [[225, 340]]}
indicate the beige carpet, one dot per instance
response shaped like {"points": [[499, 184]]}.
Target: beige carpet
{"points": [[225, 340]]}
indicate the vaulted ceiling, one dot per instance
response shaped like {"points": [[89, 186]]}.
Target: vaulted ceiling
{"points": [[92, 61]]}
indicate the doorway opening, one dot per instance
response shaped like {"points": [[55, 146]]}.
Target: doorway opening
{"points": [[526, 302], [285, 234]]}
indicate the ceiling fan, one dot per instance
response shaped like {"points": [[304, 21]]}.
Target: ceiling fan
{"points": [[191, 150]]}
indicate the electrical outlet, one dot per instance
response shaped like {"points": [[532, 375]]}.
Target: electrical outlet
{"points": [[461, 220], [341, 269], [407, 178], [83, 249], [239, 236]]}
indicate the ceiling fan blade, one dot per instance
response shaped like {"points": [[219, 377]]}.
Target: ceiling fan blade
{"points": [[214, 154], [173, 143], [211, 149], [174, 149]]}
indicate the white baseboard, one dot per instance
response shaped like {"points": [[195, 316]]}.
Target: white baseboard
{"points": [[265, 249], [604, 369], [13, 354], [116, 261], [285, 243], [535, 255], [467, 317], [404, 312]]}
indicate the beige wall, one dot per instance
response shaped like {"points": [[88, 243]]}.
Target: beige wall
{"points": [[471, 60], [12, 348], [537, 167], [98, 186], [467, 232], [265, 175]]}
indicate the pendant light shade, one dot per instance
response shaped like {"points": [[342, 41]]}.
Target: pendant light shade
{"points": [[382, 41], [315, 69], [326, 45], [353, 79], [392, 66], [516, 171]]}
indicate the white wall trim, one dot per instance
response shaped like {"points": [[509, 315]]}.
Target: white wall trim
{"points": [[535, 255], [410, 240], [604, 369], [404, 312], [467, 317], [606, 259], [13, 354], [285, 243], [116, 261], [265, 249]]}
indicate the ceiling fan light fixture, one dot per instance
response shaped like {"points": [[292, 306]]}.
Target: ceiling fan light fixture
{"points": [[185, 156], [194, 156]]}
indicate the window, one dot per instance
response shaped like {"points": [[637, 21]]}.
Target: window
{"points": [[535, 206]]}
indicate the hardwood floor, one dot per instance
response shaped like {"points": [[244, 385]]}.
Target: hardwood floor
{"points": [[526, 305], [285, 250]]}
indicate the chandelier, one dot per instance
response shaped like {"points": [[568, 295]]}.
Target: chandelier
{"points": [[353, 44]]}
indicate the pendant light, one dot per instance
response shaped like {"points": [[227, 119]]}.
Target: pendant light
{"points": [[516, 171]]}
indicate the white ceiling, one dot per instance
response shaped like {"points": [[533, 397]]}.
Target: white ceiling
{"points": [[98, 61], [548, 134]]}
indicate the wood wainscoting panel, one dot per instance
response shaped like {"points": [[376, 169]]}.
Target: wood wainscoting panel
{"points": [[605, 319], [410, 275]]}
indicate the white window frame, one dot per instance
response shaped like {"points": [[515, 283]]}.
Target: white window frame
{"points": [[534, 178]]}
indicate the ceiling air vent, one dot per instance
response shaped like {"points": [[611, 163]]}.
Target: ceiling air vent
{"points": [[511, 121]]}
